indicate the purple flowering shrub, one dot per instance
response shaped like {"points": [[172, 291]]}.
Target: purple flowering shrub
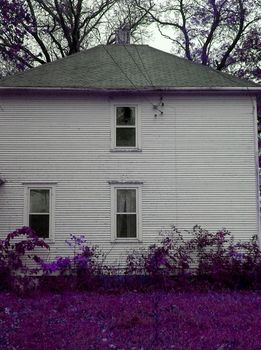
{"points": [[80, 271], [223, 263], [18, 245], [211, 260], [163, 261], [206, 260], [170, 257], [88, 267]]}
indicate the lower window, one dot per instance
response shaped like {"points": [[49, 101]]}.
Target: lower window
{"points": [[126, 215], [39, 209], [126, 212]]}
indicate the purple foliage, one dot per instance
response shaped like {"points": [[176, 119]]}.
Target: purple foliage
{"points": [[59, 264], [207, 260], [216, 260], [15, 23], [13, 251], [76, 241], [79, 271], [223, 34], [148, 321], [257, 73]]}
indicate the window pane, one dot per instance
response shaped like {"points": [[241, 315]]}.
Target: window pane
{"points": [[125, 137], [39, 201], [126, 201], [126, 225], [40, 224], [125, 116]]}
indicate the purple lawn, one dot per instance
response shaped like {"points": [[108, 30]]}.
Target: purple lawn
{"points": [[158, 320]]}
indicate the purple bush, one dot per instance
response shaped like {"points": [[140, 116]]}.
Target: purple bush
{"points": [[81, 271], [205, 261], [13, 251], [209, 260]]}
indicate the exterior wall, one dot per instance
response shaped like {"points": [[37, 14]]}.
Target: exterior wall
{"points": [[197, 164]]}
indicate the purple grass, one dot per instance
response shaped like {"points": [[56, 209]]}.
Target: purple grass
{"points": [[180, 321]]}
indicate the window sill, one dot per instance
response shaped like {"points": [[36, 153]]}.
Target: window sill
{"points": [[126, 240], [48, 240], [126, 149]]}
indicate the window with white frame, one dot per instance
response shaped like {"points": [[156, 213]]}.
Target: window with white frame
{"points": [[39, 209], [126, 126], [126, 212]]}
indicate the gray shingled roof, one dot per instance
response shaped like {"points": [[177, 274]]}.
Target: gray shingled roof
{"points": [[123, 67]]}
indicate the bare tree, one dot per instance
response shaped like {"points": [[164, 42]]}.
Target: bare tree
{"points": [[39, 31], [128, 13], [221, 33]]}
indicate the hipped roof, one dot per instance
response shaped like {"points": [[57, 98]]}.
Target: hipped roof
{"points": [[124, 67]]}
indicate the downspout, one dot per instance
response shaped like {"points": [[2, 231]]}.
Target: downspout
{"points": [[254, 104]]}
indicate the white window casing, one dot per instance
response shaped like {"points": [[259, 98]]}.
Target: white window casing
{"points": [[28, 189], [115, 212], [116, 127]]}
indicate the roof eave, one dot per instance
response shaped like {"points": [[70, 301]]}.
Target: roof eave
{"points": [[243, 89]]}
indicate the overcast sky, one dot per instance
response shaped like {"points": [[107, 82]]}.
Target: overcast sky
{"points": [[157, 40]]}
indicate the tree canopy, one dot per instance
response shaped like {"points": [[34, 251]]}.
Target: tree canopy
{"points": [[224, 34], [39, 31]]}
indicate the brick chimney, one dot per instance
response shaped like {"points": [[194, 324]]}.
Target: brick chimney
{"points": [[122, 35]]}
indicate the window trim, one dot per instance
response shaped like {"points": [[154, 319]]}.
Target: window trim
{"points": [[44, 186], [126, 186], [137, 127]]}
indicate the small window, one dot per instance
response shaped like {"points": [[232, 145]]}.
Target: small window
{"points": [[39, 210], [126, 133], [126, 212]]}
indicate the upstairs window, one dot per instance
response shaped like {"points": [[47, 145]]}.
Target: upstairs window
{"points": [[126, 127]]}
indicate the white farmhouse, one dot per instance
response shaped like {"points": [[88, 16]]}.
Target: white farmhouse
{"points": [[119, 142]]}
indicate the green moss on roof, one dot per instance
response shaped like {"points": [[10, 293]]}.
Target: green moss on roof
{"points": [[123, 67]]}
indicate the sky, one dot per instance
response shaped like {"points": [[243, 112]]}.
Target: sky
{"points": [[159, 42]]}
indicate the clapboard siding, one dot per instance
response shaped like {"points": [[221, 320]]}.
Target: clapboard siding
{"points": [[197, 164]]}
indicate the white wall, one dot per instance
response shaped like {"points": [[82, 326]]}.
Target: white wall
{"points": [[197, 163]]}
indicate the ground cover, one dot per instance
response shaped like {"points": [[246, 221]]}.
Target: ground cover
{"points": [[131, 321]]}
